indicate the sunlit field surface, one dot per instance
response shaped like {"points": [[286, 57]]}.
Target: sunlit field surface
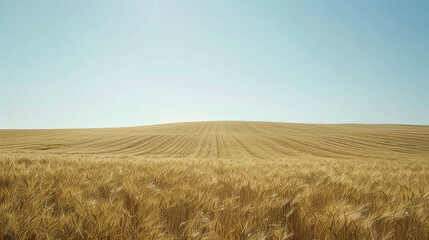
{"points": [[216, 180]]}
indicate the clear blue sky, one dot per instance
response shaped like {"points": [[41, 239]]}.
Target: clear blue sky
{"points": [[80, 63]]}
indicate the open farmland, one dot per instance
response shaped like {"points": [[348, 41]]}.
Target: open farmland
{"points": [[216, 180]]}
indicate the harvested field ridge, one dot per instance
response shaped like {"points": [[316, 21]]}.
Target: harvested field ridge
{"points": [[216, 180]]}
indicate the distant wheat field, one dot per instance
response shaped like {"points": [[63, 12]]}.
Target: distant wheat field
{"points": [[216, 180]]}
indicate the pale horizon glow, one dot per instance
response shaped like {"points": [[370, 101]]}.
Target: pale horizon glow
{"points": [[91, 64]]}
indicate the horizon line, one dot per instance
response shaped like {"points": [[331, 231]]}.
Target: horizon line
{"points": [[207, 121]]}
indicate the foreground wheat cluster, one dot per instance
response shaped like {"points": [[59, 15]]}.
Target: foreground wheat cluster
{"points": [[216, 180]]}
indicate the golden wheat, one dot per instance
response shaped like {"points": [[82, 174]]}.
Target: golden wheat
{"points": [[216, 180]]}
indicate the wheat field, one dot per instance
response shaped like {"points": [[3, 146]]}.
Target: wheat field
{"points": [[216, 180]]}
